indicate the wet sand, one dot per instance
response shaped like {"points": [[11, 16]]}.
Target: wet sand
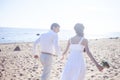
{"points": [[19, 63]]}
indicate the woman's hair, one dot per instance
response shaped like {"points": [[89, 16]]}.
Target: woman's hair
{"points": [[79, 28], [54, 25]]}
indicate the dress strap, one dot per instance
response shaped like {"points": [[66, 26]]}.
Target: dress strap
{"points": [[81, 40]]}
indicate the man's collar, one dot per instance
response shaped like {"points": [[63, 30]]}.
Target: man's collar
{"points": [[52, 31]]}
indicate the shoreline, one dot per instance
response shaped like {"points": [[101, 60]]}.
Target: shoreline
{"points": [[59, 40]]}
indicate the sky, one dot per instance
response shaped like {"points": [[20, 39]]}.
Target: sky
{"points": [[98, 16]]}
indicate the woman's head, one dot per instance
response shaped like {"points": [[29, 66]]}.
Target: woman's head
{"points": [[79, 28]]}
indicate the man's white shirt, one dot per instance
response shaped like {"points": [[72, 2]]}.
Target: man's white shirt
{"points": [[48, 43]]}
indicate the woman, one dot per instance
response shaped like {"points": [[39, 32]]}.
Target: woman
{"points": [[75, 66]]}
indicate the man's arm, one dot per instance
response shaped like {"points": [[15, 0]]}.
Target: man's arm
{"points": [[35, 45], [56, 45]]}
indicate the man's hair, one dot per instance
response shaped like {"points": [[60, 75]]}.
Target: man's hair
{"points": [[54, 25]]}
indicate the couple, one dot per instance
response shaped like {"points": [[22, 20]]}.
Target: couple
{"points": [[75, 66]]}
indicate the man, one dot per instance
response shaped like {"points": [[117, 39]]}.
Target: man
{"points": [[48, 43]]}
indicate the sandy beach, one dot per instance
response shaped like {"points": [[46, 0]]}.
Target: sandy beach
{"points": [[19, 63]]}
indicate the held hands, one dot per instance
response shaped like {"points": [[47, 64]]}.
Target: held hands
{"points": [[62, 58]]}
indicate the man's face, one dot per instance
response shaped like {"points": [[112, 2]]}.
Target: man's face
{"points": [[56, 29]]}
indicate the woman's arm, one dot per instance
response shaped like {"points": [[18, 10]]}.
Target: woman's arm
{"points": [[68, 44], [91, 56]]}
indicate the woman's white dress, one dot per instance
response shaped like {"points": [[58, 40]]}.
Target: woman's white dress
{"points": [[75, 66]]}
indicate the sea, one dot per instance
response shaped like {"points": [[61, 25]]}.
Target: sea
{"points": [[15, 35]]}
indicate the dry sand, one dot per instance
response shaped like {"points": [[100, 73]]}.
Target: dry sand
{"points": [[20, 65]]}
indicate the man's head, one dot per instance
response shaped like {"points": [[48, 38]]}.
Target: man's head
{"points": [[55, 27]]}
